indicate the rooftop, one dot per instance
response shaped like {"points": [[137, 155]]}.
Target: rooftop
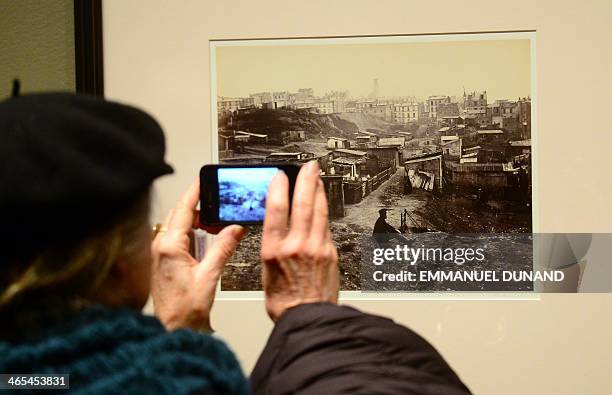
{"points": [[388, 147], [252, 134], [346, 161], [521, 143], [285, 153], [491, 131], [431, 155], [449, 139], [477, 167], [391, 141], [351, 152], [337, 138], [367, 133], [472, 148]]}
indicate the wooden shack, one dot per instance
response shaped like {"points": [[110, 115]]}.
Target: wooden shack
{"points": [[387, 156], [337, 142], [425, 171], [468, 178]]}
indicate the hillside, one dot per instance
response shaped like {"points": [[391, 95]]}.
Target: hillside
{"points": [[364, 121], [315, 125]]}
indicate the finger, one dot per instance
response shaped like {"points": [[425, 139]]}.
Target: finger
{"points": [[213, 230], [303, 199], [328, 236], [168, 218], [183, 216], [277, 211], [223, 248], [164, 226], [320, 224]]}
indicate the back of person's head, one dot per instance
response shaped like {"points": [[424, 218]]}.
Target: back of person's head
{"points": [[75, 196]]}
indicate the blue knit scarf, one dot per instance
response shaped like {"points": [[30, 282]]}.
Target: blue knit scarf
{"points": [[124, 352]]}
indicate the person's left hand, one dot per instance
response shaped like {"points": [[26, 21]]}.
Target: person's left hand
{"points": [[183, 289]]}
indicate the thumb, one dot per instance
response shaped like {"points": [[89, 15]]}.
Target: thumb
{"points": [[223, 248]]}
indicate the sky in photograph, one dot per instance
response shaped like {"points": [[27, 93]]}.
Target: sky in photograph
{"points": [[420, 69]]}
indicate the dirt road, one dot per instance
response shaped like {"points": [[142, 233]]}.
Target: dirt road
{"points": [[445, 214]]}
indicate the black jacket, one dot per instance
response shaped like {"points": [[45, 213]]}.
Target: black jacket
{"points": [[381, 226], [327, 349]]}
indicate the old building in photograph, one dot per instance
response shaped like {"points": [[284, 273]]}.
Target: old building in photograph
{"points": [[433, 102], [405, 112], [437, 154], [475, 108], [338, 142]]}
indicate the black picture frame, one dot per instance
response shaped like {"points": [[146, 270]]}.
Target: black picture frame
{"points": [[88, 45]]}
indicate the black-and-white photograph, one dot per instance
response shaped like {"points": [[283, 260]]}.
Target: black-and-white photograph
{"points": [[412, 134]]}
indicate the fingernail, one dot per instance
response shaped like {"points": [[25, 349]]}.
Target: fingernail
{"points": [[238, 230], [278, 176]]}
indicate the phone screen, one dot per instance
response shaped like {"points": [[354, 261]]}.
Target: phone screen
{"points": [[242, 193]]}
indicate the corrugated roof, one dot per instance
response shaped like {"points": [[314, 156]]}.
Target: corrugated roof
{"points": [[491, 131], [337, 138]]}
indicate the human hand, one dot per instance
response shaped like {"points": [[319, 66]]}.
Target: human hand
{"points": [[300, 263], [183, 289]]}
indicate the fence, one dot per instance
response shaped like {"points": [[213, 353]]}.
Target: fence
{"points": [[355, 191]]}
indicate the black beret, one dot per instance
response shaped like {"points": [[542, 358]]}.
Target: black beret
{"points": [[70, 163]]}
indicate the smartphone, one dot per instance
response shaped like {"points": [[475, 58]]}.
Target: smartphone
{"points": [[236, 194]]}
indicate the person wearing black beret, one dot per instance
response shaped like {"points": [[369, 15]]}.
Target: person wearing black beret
{"points": [[78, 262]]}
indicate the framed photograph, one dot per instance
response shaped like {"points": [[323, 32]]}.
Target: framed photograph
{"points": [[419, 133]]}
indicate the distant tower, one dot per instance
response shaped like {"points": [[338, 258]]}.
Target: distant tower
{"points": [[374, 94]]}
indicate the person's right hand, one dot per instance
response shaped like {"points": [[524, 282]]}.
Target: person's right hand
{"points": [[300, 263], [183, 289]]}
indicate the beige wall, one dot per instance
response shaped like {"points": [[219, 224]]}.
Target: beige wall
{"points": [[156, 56], [36, 45]]}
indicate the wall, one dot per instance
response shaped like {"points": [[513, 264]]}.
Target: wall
{"points": [[156, 56], [36, 45]]}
